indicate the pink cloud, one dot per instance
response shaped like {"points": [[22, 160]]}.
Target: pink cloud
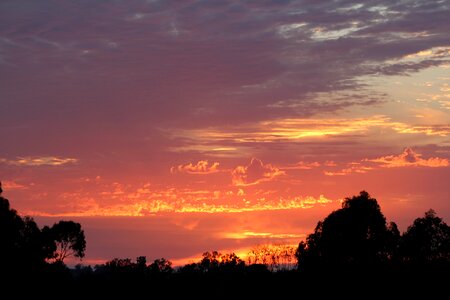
{"points": [[354, 168], [302, 165], [201, 167], [409, 158], [12, 185], [254, 173]]}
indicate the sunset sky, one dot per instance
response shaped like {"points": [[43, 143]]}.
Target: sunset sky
{"points": [[170, 128]]}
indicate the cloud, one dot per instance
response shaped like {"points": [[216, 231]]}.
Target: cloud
{"points": [[409, 158], [201, 167], [180, 203], [299, 129], [254, 173], [12, 185], [254, 46], [302, 165], [354, 168], [39, 161]]}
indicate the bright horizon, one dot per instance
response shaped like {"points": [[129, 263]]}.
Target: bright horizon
{"points": [[171, 128]]}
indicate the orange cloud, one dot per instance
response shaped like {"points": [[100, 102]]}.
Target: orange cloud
{"points": [[12, 185], [299, 129], [301, 165], [254, 173], [146, 201], [354, 168], [38, 161], [147, 208], [201, 167], [409, 158]]}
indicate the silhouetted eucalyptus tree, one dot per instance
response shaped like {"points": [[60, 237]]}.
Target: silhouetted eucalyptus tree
{"points": [[355, 235], [69, 240], [426, 240]]}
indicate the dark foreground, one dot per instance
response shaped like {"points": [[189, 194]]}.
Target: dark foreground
{"points": [[252, 282]]}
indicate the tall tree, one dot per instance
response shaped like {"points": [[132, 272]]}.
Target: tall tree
{"points": [[22, 246], [69, 240], [427, 239], [355, 235]]}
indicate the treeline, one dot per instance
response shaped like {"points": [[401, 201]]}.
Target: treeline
{"points": [[28, 251], [354, 241]]}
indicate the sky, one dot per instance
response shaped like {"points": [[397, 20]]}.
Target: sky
{"points": [[170, 128]]}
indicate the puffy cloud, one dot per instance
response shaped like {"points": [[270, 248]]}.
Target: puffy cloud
{"points": [[201, 167], [409, 158], [38, 161], [254, 173]]}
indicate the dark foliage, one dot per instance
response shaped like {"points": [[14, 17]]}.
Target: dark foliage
{"points": [[355, 236], [353, 246], [25, 249], [426, 240]]}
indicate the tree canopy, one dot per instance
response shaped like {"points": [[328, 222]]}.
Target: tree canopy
{"points": [[25, 248], [68, 238], [356, 234], [427, 239]]}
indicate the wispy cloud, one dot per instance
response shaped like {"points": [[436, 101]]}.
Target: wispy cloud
{"points": [[354, 167], [300, 129], [302, 165], [8, 185], [39, 161], [201, 167]]}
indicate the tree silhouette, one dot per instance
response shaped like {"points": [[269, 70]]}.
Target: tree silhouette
{"points": [[69, 240], [210, 261], [354, 235], [161, 265], [427, 239], [22, 245]]}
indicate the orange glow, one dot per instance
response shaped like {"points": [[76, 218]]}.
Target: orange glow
{"points": [[89, 207], [251, 234]]}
